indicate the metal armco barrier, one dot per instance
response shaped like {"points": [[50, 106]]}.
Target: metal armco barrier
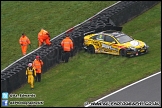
{"points": [[13, 76]]}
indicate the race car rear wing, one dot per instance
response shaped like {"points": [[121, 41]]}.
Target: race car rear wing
{"points": [[105, 29]]}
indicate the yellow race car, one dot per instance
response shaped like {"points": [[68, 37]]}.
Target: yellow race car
{"points": [[115, 43]]}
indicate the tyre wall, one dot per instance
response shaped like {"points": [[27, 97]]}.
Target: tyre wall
{"points": [[13, 76]]}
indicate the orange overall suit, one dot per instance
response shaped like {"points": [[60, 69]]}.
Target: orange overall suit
{"points": [[67, 45], [24, 42], [37, 65], [43, 37]]}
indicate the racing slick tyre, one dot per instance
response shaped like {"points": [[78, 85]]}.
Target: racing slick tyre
{"points": [[91, 49], [122, 53]]}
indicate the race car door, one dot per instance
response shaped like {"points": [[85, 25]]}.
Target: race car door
{"points": [[99, 39], [109, 45]]}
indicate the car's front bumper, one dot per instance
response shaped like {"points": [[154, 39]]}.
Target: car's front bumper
{"points": [[136, 52]]}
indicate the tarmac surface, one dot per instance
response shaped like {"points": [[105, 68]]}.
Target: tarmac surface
{"points": [[143, 93]]}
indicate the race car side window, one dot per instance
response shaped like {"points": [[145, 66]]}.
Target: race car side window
{"points": [[109, 39], [100, 37], [94, 37]]}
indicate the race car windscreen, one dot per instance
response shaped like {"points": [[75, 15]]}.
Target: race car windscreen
{"points": [[123, 38]]}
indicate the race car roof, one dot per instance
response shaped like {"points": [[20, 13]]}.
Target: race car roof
{"points": [[117, 34]]}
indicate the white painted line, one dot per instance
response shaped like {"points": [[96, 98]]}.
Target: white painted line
{"points": [[124, 88]]}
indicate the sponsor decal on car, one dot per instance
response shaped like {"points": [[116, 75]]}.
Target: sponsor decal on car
{"points": [[109, 47]]}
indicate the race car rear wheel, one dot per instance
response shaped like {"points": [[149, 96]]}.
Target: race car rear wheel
{"points": [[91, 49]]}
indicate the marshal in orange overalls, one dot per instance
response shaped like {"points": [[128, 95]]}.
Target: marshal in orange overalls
{"points": [[43, 37], [37, 65], [24, 42], [67, 45]]}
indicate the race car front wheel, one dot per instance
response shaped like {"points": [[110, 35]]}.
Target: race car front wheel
{"points": [[91, 49], [122, 52]]}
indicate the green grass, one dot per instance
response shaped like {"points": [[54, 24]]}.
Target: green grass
{"points": [[88, 77], [30, 16]]}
